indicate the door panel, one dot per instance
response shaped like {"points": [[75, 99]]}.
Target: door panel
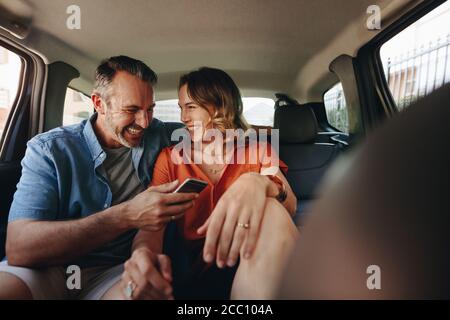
{"points": [[10, 174]]}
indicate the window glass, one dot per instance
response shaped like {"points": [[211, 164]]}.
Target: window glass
{"points": [[167, 110], [77, 107], [10, 75], [336, 107], [417, 60], [257, 111]]}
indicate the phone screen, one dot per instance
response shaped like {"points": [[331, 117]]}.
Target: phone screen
{"points": [[192, 185]]}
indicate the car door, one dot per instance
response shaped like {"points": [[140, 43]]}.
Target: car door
{"points": [[16, 76]]}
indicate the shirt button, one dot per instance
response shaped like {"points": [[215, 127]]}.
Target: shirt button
{"points": [[105, 206]]}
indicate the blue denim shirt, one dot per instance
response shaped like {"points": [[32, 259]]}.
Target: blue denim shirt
{"points": [[62, 179]]}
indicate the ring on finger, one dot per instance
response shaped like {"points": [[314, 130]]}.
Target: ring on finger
{"points": [[129, 289], [243, 225]]}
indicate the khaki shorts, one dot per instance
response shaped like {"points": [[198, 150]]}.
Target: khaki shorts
{"points": [[51, 283]]}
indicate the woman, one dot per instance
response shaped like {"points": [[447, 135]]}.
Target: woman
{"points": [[210, 100]]}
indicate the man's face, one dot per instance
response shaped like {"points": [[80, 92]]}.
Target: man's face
{"points": [[127, 111]]}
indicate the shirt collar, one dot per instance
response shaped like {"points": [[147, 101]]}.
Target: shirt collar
{"points": [[91, 138], [96, 149]]}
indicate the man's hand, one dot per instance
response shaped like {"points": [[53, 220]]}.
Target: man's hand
{"points": [[32, 243], [237, 217], [149, 274], [153, 208]]}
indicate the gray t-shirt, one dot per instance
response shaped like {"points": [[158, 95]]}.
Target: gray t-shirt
{"points": [[124, 184], [122, 177]]}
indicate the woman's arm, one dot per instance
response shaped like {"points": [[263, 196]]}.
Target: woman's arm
{"points": [[272, 165], [148, 270], [152, 240], [273, 190]]}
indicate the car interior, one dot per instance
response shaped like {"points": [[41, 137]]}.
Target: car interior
{"points": [[384, 208], [331, 69]]}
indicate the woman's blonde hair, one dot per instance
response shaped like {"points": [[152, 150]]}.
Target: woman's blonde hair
{"points": [[210, 86]]}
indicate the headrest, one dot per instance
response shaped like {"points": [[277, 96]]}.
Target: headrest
{"points": [[297, 123]]}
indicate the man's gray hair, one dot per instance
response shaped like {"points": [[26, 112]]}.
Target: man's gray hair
{"points": [[107, 69]]}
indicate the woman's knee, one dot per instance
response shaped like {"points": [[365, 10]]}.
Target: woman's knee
{"points": [[276, 220], [277, 233], [258, 277]]}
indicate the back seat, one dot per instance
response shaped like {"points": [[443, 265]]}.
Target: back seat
{"points": [[307, 152]]}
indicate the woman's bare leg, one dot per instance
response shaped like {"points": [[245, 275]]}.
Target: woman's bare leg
{"points": [[259, 276]]}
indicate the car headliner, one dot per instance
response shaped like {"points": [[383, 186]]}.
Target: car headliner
{"points": [[266, 45]]}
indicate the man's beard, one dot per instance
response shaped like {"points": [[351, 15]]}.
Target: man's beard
{"points": [[117, 132]]}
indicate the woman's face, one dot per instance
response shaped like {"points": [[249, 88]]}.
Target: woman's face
{"points": [[195, 117]]}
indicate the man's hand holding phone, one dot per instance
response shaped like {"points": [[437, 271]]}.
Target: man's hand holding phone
{"points": [[191, 185], [153, 208]]}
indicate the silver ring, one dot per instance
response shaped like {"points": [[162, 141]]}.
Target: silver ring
{"points": [[129, 289], [243, 225]]}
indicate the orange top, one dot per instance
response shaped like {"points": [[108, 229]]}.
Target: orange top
{"points": [[167, 170]]}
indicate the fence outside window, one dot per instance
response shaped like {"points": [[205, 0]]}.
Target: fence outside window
{"points": [[414, 74]]}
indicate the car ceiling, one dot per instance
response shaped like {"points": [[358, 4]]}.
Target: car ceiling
{"points": [[266, 45]]}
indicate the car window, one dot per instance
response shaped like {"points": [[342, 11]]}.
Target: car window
{"points": [[417, 60], [257, 111], [77, 107], [336, 107], [10, 76], [167, 110]]}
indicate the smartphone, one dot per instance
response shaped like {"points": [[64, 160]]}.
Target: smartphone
{"points": [[192, 185]]}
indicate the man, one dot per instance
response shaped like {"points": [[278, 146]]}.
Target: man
{"points": [[83, 195]]}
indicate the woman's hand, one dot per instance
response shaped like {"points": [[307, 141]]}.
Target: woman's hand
{"points": [[236, 219]]}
